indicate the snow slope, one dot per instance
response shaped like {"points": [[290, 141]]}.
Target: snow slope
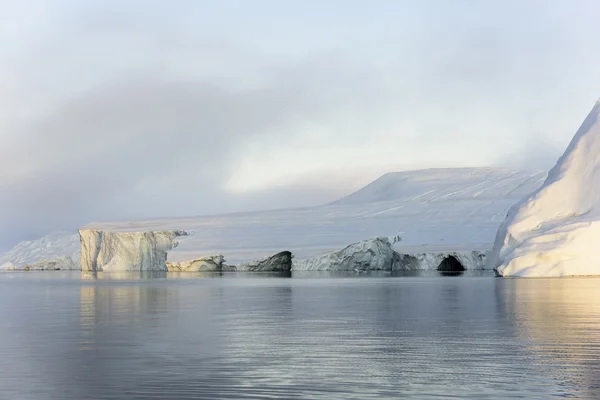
{"points": [[52, 246], [433, 185], [434, 210], [555, 231]]}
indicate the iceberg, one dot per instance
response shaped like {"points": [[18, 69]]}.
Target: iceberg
{"points": [[280, 262], [369, 255], [444, 261], [126, 251], [554, 231]]}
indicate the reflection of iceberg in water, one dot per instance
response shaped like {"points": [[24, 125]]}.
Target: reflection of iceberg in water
{"points": [[148, 275], [352, 332], [118, 331], [103, 301], [559, 321], [123, 276], [146, 328]]}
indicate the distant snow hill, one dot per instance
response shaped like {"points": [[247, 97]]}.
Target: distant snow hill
{"points": [[451, 209], [443, 184]]}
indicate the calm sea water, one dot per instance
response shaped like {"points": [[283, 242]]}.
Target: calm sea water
{"points": [[315, 336]]}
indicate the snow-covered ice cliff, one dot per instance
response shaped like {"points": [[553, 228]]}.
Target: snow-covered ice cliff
{"points": [[555, 230]]}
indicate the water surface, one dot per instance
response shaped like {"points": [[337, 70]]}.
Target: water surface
{"points": [[315, 336]]}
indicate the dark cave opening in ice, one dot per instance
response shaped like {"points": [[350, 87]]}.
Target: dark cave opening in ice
{"points": [[450, 264]]}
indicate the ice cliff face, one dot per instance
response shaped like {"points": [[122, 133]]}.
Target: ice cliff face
{"points": [[369, 255], [442, 261], [126, 251], [555, 231], [280, 262], [379, 255]]}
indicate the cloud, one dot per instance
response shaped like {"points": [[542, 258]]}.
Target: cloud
{"points": [[154, 145], [535, 155]]}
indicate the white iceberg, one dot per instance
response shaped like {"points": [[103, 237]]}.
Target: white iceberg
{"points": [[126, 251], [555, 230]]}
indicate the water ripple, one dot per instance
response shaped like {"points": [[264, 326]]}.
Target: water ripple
{"points": [[314, 338]]}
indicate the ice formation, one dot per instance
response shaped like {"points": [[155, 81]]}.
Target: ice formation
{"points": [[555, 230], [280, 262], [203, 264], [469, 260], [368, 255], [438, 212], [126, 251]]}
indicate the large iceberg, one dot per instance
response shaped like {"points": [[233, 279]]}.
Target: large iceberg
{"points": [[126, 251], [555, 230]]}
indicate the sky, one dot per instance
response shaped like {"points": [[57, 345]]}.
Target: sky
{"points": [[138, 109]]}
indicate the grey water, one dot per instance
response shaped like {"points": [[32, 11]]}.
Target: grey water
{"points": [[313, 336]]}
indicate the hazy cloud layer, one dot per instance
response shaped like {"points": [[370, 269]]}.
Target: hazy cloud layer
{"points": [[128, 110]]}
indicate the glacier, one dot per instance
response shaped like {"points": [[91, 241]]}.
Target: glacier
{"points": [[554, 231], [438, 213]]}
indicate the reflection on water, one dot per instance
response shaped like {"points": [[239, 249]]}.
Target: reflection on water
{"points": [[154, 275], [120, 276], [315, 336], [559, 321]]}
